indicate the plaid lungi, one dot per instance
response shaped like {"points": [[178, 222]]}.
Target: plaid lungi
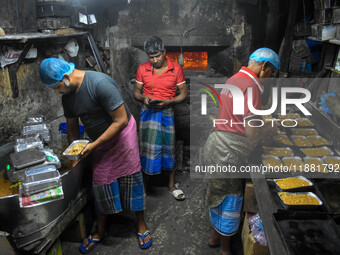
{"points": [[225, 218], [157, 140], [126, 193]]}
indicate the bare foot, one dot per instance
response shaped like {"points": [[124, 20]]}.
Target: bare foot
{"points": [[214, 240], [225, 253]]}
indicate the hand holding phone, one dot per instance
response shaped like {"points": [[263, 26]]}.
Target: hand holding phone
{"points": [[152, 102]]}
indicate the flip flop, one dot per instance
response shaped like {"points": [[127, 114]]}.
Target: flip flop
{"points": [[142, 236], [95, 242], [177, 193]]}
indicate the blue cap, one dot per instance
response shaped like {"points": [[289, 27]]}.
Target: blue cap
{"points": [[266, 54], [52, 70]]}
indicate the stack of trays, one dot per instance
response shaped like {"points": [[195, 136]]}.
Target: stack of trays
{"points": [[40, 179]]}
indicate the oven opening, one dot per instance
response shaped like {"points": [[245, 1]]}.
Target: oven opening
{"points": [[192, 60]]}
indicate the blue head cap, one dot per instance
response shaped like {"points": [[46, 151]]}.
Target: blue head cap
{"points": [[266, 54], [52, 70]]}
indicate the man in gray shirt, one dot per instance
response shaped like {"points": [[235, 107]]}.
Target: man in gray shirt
{"points": [[117, 180]]}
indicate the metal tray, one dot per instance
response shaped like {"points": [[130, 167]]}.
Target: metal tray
{"points": [[313, 149], [305, 119], [308, 233], [318, 137], [295, 158], [300, 207], [266, 150], [335, 167], [293, 137], [40, 179], [71, 156], [308, 131], [320, 167], [264, 157], [27, 158], [280, 143], [297, 189], [289, 116]]}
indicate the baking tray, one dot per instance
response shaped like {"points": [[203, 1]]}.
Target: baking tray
{"points": [[319, 166], [26, 158], [291, 167], [289, 116], [335, 166], [301, 137], [267, 150], [265, 156], [308, 233], [310, 123], [309, 131], [278, 142], [300, 207], [71, 156], [39, 179], [310, 137], [297, 189], [314, 148]]}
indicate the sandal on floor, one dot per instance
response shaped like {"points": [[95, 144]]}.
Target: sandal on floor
{"points": [[142, 236], [83, 249], [177, 193]]}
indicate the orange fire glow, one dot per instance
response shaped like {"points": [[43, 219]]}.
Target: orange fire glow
{"points": [[192, 60]]}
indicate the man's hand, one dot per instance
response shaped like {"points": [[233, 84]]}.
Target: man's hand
{"points": [[87, 150], [147, 99], [162, 105]]}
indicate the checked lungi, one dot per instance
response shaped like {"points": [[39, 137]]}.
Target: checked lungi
{"points": [[226, 216], [126, 193], [157, 140]]}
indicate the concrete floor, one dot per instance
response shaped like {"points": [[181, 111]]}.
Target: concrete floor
{"points": [[177, 227]]}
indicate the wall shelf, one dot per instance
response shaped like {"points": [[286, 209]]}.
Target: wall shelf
{"points": [[25, 37]]}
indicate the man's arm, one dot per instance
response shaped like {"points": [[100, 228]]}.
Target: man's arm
{"points": [[260, 133], [72, 129], [183, 94], [139, 96], [120, 121]]}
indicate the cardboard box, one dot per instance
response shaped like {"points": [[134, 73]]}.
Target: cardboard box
{"points": [[250, 247], [249, 202]]}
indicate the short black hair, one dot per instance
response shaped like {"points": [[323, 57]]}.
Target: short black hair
{"points": [[153, 44]]}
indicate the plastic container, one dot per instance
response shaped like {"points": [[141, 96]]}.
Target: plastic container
{"points": [[40, 179], [63, 129]]}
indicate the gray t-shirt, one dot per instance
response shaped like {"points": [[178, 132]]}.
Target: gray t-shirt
{"points": [[97, 96]]}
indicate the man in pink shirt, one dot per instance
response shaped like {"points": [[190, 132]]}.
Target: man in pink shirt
{"points": [[156, 84]]}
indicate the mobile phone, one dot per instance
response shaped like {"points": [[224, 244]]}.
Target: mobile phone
{"points": [[154, 102]]}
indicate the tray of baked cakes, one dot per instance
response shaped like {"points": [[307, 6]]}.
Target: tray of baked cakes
{"points": [[305, 186], [298, 149]]}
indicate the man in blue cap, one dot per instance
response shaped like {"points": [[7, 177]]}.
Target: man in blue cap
{"points": [[232, 142], [117, 179]]}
